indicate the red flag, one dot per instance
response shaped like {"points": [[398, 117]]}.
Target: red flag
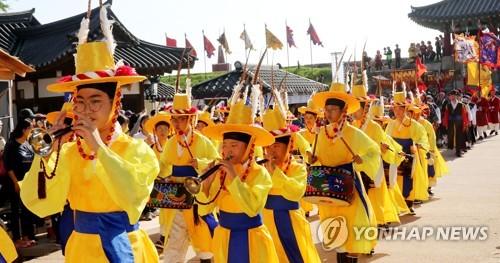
{"points": [[289, 37], [421, 68], [193, 51], [171, 42], [314, 36], [209, 48]]}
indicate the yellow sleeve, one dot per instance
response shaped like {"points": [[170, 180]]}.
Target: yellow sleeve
{"points": [[379, 136], [302, 145], [293, 186], [57, 187], [206, 152], [419, 135], [129, 175], [431, 135], [397, 148], [202, 197], [166, 166], [369, 151], [251, 198]]}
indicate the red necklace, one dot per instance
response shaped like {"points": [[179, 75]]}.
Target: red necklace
{"points": [[157, 143], [118, 95], [245, 173], [335, 130], [186, 145]]}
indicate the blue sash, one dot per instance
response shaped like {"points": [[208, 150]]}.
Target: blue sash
{"points": [[357, 184], [283, 223], [66, 226], [455, 118], [407, 180], [239, 224], [2, 259], [430, 168], [211, 223], [112, 228], [183, 171]]}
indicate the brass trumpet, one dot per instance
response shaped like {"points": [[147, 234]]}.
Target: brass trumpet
{"points": [[193, 184], [40, 141]]}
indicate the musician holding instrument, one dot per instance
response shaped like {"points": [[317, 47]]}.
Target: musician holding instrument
{"points": [[282, 215], [239, 189], [186, 154], [390, 166], [344, 148], [410, 135], [106, 175], [311, 117], [376, 188], [159, 126]]}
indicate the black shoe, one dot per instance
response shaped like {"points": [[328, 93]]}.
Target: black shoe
{"points": [[496, 132], [307, 214], [480, 138], [491, 132], [485, 136], [417, 201], [412, 212], [205, 261], [458, 154], [430, 192]]}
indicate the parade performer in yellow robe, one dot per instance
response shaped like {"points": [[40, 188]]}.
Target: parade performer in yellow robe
{"points": [[205, 120], [283, 217], [333, 148], [8, 251], [311, 116], [385, 211], [410, 135], [435, 161], [106, 175], [159, 125], [377, 114], [239, 189], [186, 154]]}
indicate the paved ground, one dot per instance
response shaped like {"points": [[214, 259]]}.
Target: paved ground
{"points": [[470, 196]]}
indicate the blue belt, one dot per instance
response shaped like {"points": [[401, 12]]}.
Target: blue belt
{"points": [[112, 228], [278, 202], [183, 171], [66, 226], [239, 224], [2, 259], [405, 143], [284, 227], [455, 118]]}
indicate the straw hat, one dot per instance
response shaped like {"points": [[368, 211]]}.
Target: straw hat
{"points": [[359, 92], [311, 107], [206, 118], [275, 123], [67, 106], [95, 64], [151, 122], [239, 120], [337, 91]]}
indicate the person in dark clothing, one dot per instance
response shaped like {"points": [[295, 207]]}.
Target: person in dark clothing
{"points": [[397, 54], [456, 121], [438, 49], [18, 159]]}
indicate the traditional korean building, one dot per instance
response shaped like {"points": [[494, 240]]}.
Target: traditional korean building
{"points": [[299, 89], [49, 49], [462, 14]]}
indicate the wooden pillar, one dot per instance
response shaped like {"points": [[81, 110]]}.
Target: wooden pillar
{"points": [[448, 46]]}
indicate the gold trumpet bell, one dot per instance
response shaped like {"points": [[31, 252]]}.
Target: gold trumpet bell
{"points": [[192, 184]]}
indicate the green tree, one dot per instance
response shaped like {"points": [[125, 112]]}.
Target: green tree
{"points": [[3, 6]]}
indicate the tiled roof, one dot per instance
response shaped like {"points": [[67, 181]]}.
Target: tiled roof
{"points": [[223, 85], [165, 92], [439, 14], [12, 21], [55, 43]]}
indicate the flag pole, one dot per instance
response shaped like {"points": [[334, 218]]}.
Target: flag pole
{"points": [[479, 35], [310, 48], [287, 54], [245, 44], [267, 46], [204, 57], [225, 37]]}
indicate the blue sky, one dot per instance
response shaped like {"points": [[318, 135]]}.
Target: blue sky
{"points": [[338, 24]]}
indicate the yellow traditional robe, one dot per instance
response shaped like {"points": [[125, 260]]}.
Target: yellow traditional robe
{"points": [[290, 186], [119, 179], [7, 249], [335, 153], [385, 211], [440, 166], [398, 201], [242, 197], [309, 137], [414, 131], [205, 152]]}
